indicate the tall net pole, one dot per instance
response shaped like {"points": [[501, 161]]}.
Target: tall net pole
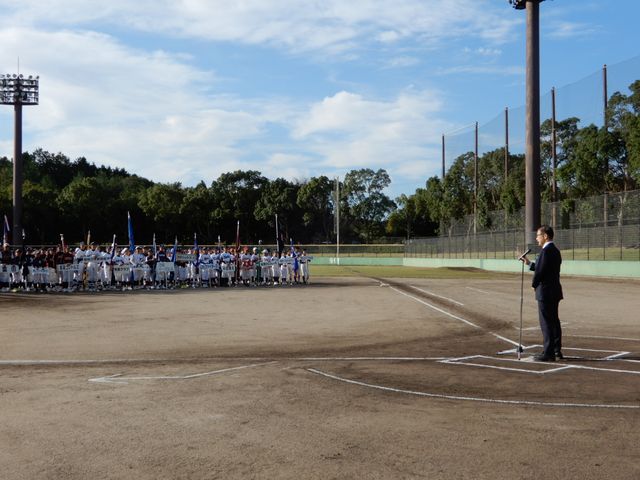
{"points": [[532, 125]]}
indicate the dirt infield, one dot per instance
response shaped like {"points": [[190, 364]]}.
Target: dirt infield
{"points": [[344, 378]]}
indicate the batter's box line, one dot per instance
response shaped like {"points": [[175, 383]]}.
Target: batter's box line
{"points": [[615, 354], [462, 361]]}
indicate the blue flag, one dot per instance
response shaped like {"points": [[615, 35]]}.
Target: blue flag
{"points": [[296, 265], [196, 249], [175, 251], [132, 243]]}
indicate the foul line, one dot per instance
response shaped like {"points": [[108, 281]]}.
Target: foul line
{"points": [[481, 291], [435, 308], [438, 296], [471, 399], [471, 324]]}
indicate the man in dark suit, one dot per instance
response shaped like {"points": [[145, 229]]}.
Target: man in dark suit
{"points": [[546, 282]]}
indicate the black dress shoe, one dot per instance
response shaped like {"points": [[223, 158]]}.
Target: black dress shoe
{"points": [[543, 358], [559, 356]]}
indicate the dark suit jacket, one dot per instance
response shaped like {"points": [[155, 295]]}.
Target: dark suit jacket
{"points": [[546, 279]]}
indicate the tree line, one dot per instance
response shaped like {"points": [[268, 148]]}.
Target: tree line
{"points": [[75, 197]]}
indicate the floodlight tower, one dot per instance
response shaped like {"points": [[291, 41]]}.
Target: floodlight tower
{"points": [[532, 124], [17, 90]]}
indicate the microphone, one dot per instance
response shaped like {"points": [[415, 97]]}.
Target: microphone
{"points": [[524, 254]]}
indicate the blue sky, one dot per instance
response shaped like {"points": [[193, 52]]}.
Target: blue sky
{"points": [[184, 90]]}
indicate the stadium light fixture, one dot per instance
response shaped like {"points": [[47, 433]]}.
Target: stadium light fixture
{"points": [[17, 90], [521, 4]]}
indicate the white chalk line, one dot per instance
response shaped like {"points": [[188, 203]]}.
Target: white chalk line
{"points": [[505, 339], [509, 369], [76, 362], [481, 291], [616, 354], [118, 378], [471, 324], [350, 359], [602, 337], [526, 328], [19, 363], [529, 360], [472, 399], [438, 296]]}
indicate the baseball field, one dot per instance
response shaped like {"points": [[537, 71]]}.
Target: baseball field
{"points": [[379, 373]]}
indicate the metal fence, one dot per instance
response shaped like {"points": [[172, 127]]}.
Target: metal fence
{"points": [[583, 99], [611, 209], [605, 227], [613, 242]]}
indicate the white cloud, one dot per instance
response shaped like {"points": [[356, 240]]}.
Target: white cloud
{"points": [[331, 26], [289, 166], [388, 36], [156, 114], [488, 52], [142, 111], [564, 30], [483, 69], [351, 114], [349, 131], [401, 62]]}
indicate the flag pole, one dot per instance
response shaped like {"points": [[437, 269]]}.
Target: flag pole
{"points": [[5, 231], [338, 220], [277, 236]]}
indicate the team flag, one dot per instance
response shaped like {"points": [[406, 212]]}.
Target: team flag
{"points": [[88, 237], [238, 251], [62, 241], [296, 265], [154, 246], [196, 249], [113, 248], [278, 249], [175, 251], [132, 243], [238, 237], [5, 230]]}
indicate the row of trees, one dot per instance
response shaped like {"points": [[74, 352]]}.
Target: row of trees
{"points": [[75, 197], [589, 161]]}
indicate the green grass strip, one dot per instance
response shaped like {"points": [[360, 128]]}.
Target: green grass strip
{"points": [[404, 272]]}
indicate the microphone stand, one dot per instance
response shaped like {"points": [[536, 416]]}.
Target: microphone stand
{"points": [[520, 350]]}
